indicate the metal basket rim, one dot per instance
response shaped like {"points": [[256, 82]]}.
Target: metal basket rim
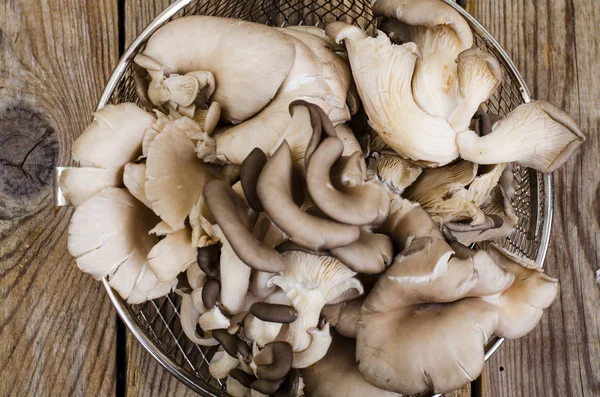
{"points": [[123, 311]]}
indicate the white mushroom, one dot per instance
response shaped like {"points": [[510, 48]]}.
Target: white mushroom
{"points": [[393, 171], [311, 282], [147, 287], [108, 236], [172, 255], [195, 277], [479, 76], [203, 226], [259, 331], [221, 364], [134, 178], [189, 316], [321, 339], [235, 277], [79, 184], [174, 177], [537, 135], [383, 75], [114, 138], [214, 319]]}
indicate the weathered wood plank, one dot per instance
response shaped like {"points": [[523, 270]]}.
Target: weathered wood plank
{"points": [[554, 44], [57, 326]]}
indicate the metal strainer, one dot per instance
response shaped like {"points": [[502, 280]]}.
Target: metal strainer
{"points": [[156, 323]]}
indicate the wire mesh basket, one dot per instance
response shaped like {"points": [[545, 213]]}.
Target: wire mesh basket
{"points": [[156, 323]]}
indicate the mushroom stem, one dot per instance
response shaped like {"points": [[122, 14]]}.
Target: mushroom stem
{"points": [[370, 254], [359, 205], [224, 205], [321, 339], [537, 135]]}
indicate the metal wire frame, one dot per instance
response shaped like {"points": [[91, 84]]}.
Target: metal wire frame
{"points": [[156, 323]]}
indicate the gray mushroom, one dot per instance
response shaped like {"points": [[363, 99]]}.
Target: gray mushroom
{"points": [[273, 362]]}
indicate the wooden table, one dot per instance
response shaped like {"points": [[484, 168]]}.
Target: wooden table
{"points": [[59, 334]]}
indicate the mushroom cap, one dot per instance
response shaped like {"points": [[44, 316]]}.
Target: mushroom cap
{"points": [[537, 135], [358, 205], [249, 173], [109, 234], [174, 177], [392, 110], [275, 192], [114, 138], [370, 254], [395, 172], [134, 178], [337, 375], [249, 55], [427, 13], [80, 184], [172, 255], [344, 316]]}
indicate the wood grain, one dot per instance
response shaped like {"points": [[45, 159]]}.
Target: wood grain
{"points": [[57, 327], [555, 45]]}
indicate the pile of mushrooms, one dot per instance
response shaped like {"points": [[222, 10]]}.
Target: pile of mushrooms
{"points": [[318, 264]]}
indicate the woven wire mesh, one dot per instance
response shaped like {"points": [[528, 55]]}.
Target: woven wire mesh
{"points": [[159, 319]]}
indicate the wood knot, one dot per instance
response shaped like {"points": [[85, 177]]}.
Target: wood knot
{"points": [[28, 155]]}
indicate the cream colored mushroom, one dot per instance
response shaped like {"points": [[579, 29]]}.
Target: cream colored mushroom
{"points": [[337, 375], [427, 13], [319, 345], [108, 236], [310, 282], [134, 178], [203, 225], [80, 184], [214, 319], [189, 316], [248, 71], [479, 76], [114, 138], [479, 298], [537, 135], [393, 171], [392, 111], [174, 177], [221, 364], [172, 255]]}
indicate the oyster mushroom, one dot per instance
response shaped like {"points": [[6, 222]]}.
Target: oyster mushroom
{"points": [[321, 339], [249, 173], [346, 135], [134, 178], [435, 191], [172, 255], [537, 135], [306, 81], [214, 319], [174, 177], [195, 277], [108, 236], [221, 364], [200, 49], [344, 316], [273, 362], [427, 13], [426, 292], [370, 254], [393, 171], [147, 287], [259, 331], [365, 204], [337, 375], [80, 184], [203, 225], [392, 111], [479, 76], [189, 316], [310, 282], [275, 192], [114, 138], [238, 383], [234, 275], [230, 214]]}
